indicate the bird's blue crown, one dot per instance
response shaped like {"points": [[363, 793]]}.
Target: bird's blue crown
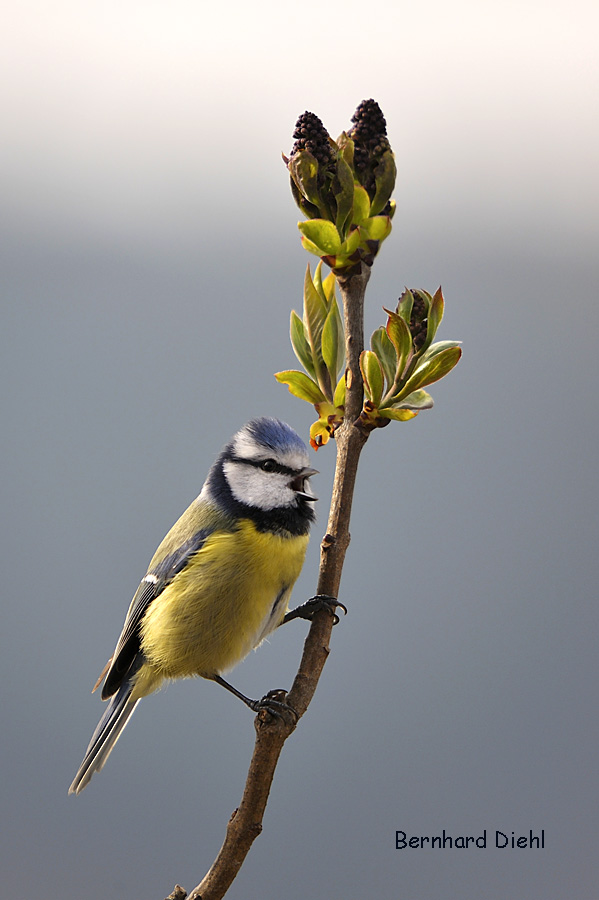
{"points": [[275, 435]]}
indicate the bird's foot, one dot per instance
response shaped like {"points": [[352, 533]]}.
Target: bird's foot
{"points": [[308, 609], [275, 704]]}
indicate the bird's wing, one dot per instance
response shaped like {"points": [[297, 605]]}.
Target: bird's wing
{"points": [[159, 575]]}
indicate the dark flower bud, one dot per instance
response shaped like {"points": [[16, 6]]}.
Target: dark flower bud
{"points": [[418, 320], [348, 206], [310, 134], [369, 122], [369, 134]]}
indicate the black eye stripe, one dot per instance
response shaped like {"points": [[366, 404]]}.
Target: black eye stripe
{"points": [[258, 464]]}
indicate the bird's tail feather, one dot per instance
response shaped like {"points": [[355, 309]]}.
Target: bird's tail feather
{"points": [[107, 733]]}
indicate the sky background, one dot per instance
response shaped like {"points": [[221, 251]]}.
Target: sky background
{"points": [[150, 258]]}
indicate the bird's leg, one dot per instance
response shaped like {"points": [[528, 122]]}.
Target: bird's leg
{"points": [[233, 690], [314, 605], [274, 701]]}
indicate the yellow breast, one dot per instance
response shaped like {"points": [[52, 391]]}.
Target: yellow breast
{"points": [[226, 600]]}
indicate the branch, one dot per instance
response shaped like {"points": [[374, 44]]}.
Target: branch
{"points": [[246, 822]]}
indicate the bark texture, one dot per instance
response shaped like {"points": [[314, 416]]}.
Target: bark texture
{"points": [[271, 733]]}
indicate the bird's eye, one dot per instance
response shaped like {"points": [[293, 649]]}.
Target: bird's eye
{"points": [[269, 465]]}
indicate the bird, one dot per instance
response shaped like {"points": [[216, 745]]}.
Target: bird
{"points": [[219, 582]]}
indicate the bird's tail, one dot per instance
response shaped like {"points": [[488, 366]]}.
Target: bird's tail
{"points": [[107, 733]]}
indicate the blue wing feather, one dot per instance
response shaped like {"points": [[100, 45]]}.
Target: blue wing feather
{"points": [[152, 585]]}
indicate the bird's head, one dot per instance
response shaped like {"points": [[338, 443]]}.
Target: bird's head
{"points": [[266, 468]]}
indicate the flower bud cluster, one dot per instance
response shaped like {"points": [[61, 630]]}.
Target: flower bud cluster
{"points": [[343, 187]]}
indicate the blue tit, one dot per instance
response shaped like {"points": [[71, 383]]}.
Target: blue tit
{"points": [[219, 582]]}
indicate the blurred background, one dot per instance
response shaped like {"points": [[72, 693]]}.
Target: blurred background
{"points": [[150, 259]]}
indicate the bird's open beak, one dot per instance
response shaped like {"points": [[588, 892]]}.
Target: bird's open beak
{"points": [[301, 484]]}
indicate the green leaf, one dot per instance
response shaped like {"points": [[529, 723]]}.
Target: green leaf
{"points": [[346, 147], [438, 347], [432, 370], [343, 190], [310, 247], [330, 344], [401, 337], [315, 307], [435, 315], [386, 353], [303, 168], [317, 280], [361, 206], [300, 344], [340, 335], [308, 209], [404, 306], [335, 337], [376, 228], [322, 234], [415, 400], [339, 395], [328, 286], [401, 415], [372, 374], [315, 313], [384, 174], [351, 244], [301, 385]]}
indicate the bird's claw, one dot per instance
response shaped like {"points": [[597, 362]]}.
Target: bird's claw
{"points": [[275, 704], [321, 601]]}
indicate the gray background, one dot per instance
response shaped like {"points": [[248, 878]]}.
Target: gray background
{"points": [[150, 258]]}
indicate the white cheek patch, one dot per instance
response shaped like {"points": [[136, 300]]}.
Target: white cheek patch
{"points": [[263, 490]]}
